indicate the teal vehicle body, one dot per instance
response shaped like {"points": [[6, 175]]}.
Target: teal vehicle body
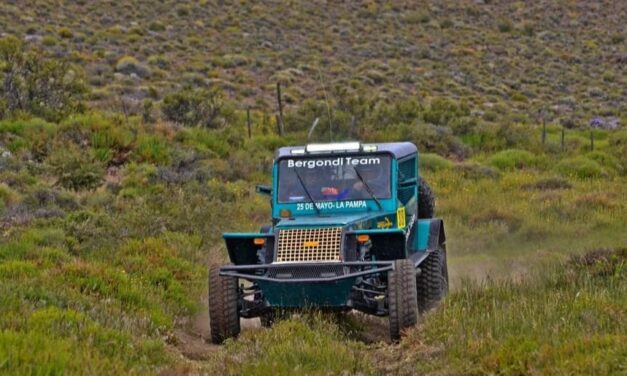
{"points": [[341, 215]]}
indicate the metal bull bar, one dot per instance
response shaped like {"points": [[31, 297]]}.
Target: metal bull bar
{"points": [[260, 272]]}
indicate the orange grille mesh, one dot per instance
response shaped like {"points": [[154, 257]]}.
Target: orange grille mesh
{"points": [[319, 244]]}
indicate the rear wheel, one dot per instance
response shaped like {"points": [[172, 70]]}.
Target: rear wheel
{"points": [[432, 281], [402, 303], [426, 200], [223, 312]]}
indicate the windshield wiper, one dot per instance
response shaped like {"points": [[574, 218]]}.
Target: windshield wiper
{"points": [[368, 189], [300, 180]]}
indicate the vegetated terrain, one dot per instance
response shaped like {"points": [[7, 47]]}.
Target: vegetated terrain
{"points": [[124, 153]]}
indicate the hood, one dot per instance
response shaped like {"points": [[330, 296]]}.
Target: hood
{"points": [[357, 220]]}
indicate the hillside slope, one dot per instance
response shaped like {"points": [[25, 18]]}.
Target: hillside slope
{"points": [[509, 59], [114, 194]]}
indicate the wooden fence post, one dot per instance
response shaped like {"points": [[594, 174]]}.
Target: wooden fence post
{"points": [[250, 132], [279, 125]]}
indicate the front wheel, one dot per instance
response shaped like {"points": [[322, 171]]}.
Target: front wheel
{"points": [[402, 303], [223, 312]]}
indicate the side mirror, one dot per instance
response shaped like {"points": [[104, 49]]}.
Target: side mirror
{"points": [[264, 190]]}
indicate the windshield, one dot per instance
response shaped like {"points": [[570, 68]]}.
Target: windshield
{"points": [[334, 178]]}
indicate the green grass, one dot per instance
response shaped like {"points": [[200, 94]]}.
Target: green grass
{"points": [[109, 217], [83, 314], [94, 269], [313, 345], [561, 319]]}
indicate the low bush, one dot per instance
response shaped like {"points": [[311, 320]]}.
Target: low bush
{"points": [[474, 170], [442, 111], [617, 143], [434, 162], [151, 148], [50, 88], [198, 107], [580, 167], [513, 159], [129, 65], [550, 184], [435, 139], [496, 216], [76, 168], [28, 135], [607, 161], [7, 196]]}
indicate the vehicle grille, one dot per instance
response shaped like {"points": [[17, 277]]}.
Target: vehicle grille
{"points": [[301, 245]]}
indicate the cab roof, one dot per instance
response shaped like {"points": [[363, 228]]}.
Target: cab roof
{"points": [[398, 149]]}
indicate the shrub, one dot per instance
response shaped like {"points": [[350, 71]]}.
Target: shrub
{"points": [[434, 162], [65, 33], [230, 61], [496, 216], [473, 170], [204, 141], [436, 139], [505, 25], [7, 196], [151, 148], [129, 65], [195, 107], [42, 197], [76, 168], [31, 134], [441, 111], [550, 184], [512, 159], [32, 82], [580, 167], [618, 146], [607, 161]]}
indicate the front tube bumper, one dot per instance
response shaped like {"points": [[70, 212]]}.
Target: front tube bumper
{"points": [[352, 269]]}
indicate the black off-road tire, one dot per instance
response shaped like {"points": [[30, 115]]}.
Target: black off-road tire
{"points": [[426, 200], [267, 319], [402, 303], [432, 281], [223, 312], [270, 318]]}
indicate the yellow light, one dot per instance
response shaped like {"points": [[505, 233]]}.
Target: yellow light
{"points": [[259, 241], [363, 238], [285, 213], [311, 243]]}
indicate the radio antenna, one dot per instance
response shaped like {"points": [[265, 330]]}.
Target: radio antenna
{"points": [[326, 100], [313, 126]]}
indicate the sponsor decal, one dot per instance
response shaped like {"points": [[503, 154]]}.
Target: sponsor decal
{"points": [[385, 223], [333, 162], [354, 204], [400, 217]]}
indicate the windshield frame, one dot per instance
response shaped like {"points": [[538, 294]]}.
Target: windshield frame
{"points": [[390, 180]]}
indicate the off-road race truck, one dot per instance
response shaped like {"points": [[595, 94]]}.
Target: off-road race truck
{"points": [[352, 228]]}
